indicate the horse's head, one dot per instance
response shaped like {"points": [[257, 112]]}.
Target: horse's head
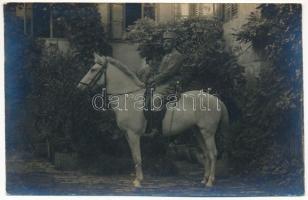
{"points": [[94, 78]]}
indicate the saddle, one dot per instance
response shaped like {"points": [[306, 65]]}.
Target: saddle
{"points": [[153, 116]]}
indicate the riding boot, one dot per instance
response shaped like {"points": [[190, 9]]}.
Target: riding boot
{"points": [[156, 123]]}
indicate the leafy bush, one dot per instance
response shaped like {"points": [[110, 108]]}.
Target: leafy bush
{"points": [[84, 28], [273, 116], [64, 117]]}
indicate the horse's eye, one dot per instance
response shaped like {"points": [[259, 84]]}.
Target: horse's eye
{"points": [[93, 70]]}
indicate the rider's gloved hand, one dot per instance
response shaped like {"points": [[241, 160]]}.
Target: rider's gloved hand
{"points": [[152, 83]]}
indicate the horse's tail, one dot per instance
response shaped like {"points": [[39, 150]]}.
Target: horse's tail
{"points": [[223, 129]]}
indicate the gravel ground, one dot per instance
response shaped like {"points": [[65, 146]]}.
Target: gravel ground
{"points": [[31, 176]]}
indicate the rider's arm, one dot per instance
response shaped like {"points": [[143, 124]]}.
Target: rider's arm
{"points": [[144, 73], [174, 66]]}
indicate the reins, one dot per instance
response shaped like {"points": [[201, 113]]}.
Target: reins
{"points": [[103, 71], [123, 93], [96, 77]]}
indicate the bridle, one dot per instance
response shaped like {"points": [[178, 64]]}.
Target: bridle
{"points": [[99, 74]]}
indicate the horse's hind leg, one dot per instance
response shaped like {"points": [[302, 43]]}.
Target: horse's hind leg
{"points": [[134, 144], [209, 140], [205, 156]]}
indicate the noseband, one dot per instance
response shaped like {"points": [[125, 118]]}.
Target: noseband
{"points": [[97, 76]]}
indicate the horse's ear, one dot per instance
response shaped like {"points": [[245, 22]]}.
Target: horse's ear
{"points": [[96, 57], [99, 59]]}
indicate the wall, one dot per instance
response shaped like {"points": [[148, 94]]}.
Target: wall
{"points": [[127, 53], [246, 55], [184, 9], [122, 50], [165, 12], [103, 9]]}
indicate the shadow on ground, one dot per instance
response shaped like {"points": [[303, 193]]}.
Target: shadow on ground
{"points": [[32, 176]]}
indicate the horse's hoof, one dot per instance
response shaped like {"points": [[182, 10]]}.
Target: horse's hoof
{"points": [[209, 184], [137, 183], [204, 180]]}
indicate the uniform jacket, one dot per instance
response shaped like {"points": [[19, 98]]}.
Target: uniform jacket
{"points": [[169, 68], [168, 72]]}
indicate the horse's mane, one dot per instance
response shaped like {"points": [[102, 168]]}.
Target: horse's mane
{"points": [[125, 70]]}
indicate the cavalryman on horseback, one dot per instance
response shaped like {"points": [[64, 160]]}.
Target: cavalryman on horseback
{"points": [[166, 79]]}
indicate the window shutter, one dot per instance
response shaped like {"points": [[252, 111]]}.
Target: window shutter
{"points": [[234, 10], [192, 9], [230, 11], [197, 10]]}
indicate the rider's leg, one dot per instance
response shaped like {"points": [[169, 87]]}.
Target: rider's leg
{"points": [[157, 116]]}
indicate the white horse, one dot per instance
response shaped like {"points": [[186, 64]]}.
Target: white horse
{"points": [[122, 82]]}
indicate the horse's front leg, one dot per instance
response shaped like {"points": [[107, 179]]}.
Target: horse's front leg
{"points": [[134, 144], [212, 153]]}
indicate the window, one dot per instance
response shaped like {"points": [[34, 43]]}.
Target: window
{"points": [[24, 12], [205, 9], [58, 23], [124, 15], [132, 13], [194, 9], [149, 10], [135, 11], [42, 19], [182, 10], [47, 20], [230, 11]]}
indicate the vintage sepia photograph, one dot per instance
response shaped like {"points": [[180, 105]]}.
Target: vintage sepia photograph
{"points": [[153, 99]]}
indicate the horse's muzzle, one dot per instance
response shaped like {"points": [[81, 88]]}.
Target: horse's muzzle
{"points": [[81, 87]]}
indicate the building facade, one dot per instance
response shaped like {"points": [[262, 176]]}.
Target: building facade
{"points": [[41, 21], [117, 17]]}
